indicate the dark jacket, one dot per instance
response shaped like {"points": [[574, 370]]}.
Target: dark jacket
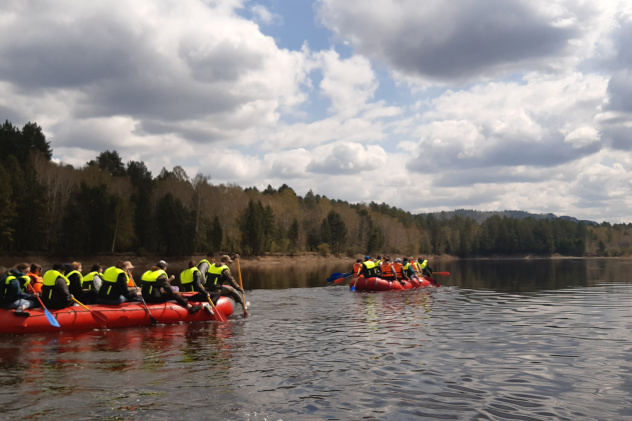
{"points": [[13, 287]]}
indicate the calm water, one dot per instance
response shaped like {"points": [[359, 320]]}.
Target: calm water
{"points": [[501, 340]]}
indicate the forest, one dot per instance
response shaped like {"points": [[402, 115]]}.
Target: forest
{"points": [[108, 206]]}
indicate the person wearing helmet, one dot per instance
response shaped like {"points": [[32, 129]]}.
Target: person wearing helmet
{"points": [[369, 268]]}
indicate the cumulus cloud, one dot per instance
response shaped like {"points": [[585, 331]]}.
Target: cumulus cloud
{"points": [[440, 42], [435, 105]]}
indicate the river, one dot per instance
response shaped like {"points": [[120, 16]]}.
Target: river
{"points": [[499, 340]]}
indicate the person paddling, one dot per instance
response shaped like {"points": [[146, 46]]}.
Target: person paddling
{"points": [[156, 288], [218, 274], [114, 288], [191, 280], [369, 268]]}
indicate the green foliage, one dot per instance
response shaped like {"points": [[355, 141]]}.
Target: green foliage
{"points": [[174, 226], [112, 207], [333, 231], [256, 225], [111, 162]]}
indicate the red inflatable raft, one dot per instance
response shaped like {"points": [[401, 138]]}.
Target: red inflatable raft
{"points": [[378, 284], [106, 317]]}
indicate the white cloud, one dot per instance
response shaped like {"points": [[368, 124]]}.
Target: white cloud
{"points": [[433, 105]]}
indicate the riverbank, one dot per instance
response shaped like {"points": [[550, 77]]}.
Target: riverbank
{"points": [[146, 261]]}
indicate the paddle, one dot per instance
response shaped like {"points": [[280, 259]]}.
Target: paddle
{"points": [[142, 299], [334, 276], [51, 319], [217, 314], [441, 273], [345, 276], [98, 316], [241, 284]]}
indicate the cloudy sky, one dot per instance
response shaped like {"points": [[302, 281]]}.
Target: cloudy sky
{"points": [[427, 106]]}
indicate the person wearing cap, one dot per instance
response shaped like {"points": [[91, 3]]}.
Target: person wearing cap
{"points": [[114, 288], [369, 268], [156, 287], [131, 285], [55, 292], [218, 275]]}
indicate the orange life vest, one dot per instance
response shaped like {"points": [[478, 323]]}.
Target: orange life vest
{"points": [[398, 270]]}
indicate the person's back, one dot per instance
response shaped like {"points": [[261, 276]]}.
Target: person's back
{"points": [[156, 287], [55, 292], [204, 265], [387, 270], [114, 288], [93, 280]]}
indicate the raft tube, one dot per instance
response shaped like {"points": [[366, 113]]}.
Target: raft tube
{"points": [[124, 315], [378, 284]]}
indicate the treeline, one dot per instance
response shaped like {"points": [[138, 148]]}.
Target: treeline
{"points": [[111, 206]]}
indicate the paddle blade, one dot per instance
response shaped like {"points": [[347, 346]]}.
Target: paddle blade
{"points": [[217, 314], [51, 319], [441, 273], [334, 276], [99, 317]]}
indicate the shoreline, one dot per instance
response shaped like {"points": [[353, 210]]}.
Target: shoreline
{"points": [[271, 259]]}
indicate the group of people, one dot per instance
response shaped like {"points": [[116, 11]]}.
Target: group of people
{"points": [[26, 286], [395, 270]]}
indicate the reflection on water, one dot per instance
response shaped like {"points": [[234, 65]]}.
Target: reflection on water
{"points": [[529, 340]]}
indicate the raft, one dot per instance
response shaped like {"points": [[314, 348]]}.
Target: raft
{"points": [[107, 317], [379, 284]]}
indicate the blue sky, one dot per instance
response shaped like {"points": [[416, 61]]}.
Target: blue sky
{"points": [[427, 106]]}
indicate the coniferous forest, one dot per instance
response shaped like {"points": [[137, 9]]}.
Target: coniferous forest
{"points": [[112, 206]]}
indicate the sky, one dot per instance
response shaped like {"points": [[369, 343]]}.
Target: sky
{"points": [[426, 106]]}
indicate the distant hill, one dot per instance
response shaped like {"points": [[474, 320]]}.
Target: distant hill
{"points": [[481, 216]]}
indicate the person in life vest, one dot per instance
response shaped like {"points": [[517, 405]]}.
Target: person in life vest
{"points": [[76, 288], [356, 267], [369, 268], [217, 277], [55, 293], [388, 273], [191, 280], [397, 267], [36, 277], [94, 279], [407, 269], [204, 264], [156, 288], [425, 269], [114, 288], [13, 291]]}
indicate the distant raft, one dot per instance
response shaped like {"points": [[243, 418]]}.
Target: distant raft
{"points": [[378, 284], [107, 317]]}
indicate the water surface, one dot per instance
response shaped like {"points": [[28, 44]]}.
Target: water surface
{"points": [[501, 340]]}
